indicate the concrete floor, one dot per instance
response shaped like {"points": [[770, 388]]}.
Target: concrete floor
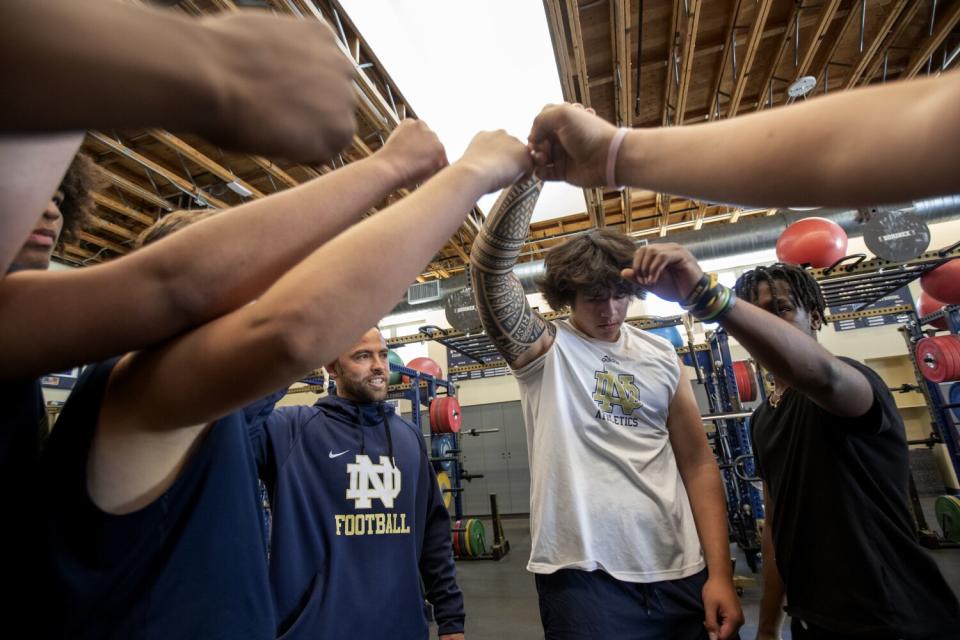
{"points": [[501, 600]]}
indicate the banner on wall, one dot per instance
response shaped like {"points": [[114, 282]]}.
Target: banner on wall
{"points": [[894, 299], [456, 359]]}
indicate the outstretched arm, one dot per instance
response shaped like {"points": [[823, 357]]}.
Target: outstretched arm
{"points": [[518, 333], [159, 399], [671, 272], [228, 77], [875, 145], [208, 269]]}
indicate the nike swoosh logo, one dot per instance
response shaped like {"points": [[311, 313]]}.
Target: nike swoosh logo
{"points": [[337, 455]]}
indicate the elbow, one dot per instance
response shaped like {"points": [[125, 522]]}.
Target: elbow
{"points": [[291, 338]]}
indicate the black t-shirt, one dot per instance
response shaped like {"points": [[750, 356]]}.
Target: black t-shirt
{"points": [[23, 426], [192, 564], [844, 538]]}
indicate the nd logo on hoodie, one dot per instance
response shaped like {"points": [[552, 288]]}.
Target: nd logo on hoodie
{"points": [[370, 482]]}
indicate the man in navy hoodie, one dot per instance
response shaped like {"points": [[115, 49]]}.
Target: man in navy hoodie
{"points": [[358, 518]]}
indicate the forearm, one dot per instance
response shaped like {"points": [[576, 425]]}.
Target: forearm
{"points": [[876, 145], [501, 301], [707, 501], [798, 360], [32, 168], [258, 242], [119, 64], [189, 278]]}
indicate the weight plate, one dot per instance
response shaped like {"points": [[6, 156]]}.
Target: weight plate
{"points": [[746, 386], [456, 541], [461, 311], [947, 509], [934, 362], [441, 446], [443, 480], [475, 531], [445, 415], [896, 235], [951, 349]]}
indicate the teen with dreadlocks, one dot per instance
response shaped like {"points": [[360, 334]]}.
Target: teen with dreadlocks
{"points": [[832, 451]]}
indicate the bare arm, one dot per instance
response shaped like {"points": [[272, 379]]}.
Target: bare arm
{"points": [[157, 397], [206, 270], [671, 272], [31, 167], [519, 334], [874, 145], [114, 64], [771, 603], [701, 478]]}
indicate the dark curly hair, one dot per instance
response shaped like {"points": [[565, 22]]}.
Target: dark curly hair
{"points": [[803, 288], [590, 263], [170, 223], [78, 185]]}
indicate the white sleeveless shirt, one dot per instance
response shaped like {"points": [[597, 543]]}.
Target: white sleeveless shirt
{"points": [[605, 491]]}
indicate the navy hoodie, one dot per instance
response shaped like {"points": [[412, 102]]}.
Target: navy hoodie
{"points": [[358, 520]]}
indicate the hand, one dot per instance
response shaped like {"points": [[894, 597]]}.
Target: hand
{"points": [[499, 159], [452, 636], [667, 270], [285, 87], [722, 607], [570, 143], [413, 152]]}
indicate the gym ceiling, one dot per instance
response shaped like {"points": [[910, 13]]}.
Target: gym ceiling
{"points": [[698, 61]]}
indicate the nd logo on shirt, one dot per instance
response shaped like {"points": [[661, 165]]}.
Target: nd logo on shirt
{"points": [[369, 482], [616, 390]]}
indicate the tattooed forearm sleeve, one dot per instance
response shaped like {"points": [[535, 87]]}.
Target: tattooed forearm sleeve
{"points": [[509, 321]]}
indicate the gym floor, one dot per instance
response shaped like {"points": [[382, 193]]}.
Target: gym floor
{"points": [[501, 600]]}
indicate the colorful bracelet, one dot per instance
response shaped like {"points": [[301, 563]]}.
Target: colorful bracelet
{"points": [[709, 301]]}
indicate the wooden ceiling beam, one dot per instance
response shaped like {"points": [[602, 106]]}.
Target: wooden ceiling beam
{"points": [[753, 45], [109, 203], [100, 242], [113, 228], [182, 183], [827, 14], [671, 76], [274, 171], [560, 51], [775, 62], [822, 74], [691, 26], [202, 160], [933, 42], [622, 67], [77, 250], [906, 18], [579, 59], [870, 51], [712, 102], [134, 189]]}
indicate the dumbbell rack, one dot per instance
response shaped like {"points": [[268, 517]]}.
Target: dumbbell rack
{"points": [[731, 441], [944, 422]]}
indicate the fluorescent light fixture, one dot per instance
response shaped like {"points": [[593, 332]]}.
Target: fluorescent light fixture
{"points": [[239, 189], [469, 67]]}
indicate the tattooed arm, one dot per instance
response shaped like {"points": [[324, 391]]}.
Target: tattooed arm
{"points": [[519, 333]]}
